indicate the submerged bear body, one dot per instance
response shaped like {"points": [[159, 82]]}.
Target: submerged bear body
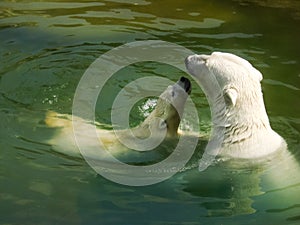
{"points": [[161, 124]]}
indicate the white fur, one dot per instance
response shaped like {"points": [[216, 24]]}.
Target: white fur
{"points": [[240, 122], [162, 122]]}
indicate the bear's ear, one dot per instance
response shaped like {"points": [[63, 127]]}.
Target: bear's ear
{"points": [[230, 96], [258, 74]]}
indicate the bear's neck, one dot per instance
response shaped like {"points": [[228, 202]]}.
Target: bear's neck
{"points": [[246, 120]]}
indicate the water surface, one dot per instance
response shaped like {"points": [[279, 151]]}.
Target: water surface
{"points": [[47, 46]]}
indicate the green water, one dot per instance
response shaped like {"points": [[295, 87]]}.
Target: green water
{"points": [[47, 46]]}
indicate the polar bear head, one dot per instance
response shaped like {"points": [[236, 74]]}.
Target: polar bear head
{"points": [[169, 108], [232, 86], [227, 74]]}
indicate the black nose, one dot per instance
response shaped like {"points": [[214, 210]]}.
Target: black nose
{"points": [[187, 84], [186, 60], [183, 79]]}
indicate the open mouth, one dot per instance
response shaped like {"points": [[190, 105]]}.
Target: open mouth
{"points": [[185, 84]]}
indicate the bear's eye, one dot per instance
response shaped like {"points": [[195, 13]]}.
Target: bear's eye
{"points": [[173, 93], [163, 124]]}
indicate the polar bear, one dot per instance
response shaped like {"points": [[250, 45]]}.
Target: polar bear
{"points": [[161, 124], [241, 127], [248, 157]]}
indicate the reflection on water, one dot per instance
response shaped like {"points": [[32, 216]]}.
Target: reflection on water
{"points": [[233, 186], [47, 46]]}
